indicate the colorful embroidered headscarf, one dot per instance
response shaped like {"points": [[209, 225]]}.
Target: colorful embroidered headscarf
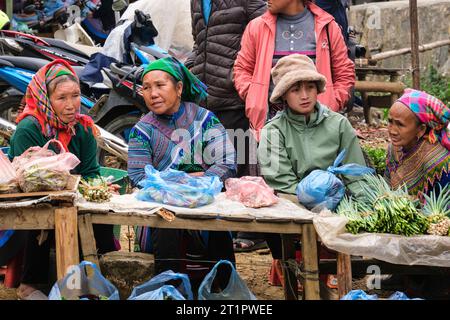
{"points": [[430, 111], [38, 104], [193, 89]]}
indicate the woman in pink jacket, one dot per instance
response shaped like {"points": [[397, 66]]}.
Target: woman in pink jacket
{"points": [[291, 26]]}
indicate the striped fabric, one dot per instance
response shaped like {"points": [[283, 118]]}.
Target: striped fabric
{"points": [[421, 169], [149, 145]]}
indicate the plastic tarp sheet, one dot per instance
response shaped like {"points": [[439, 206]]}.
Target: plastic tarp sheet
{"points": [[424, 250], [284, 210], [172, 20]]}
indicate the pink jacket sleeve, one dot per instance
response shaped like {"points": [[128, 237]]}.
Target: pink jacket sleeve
{"points": [[244, 66], [343, 69]]}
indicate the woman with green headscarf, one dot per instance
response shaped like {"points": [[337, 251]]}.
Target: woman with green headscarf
{"points": [[179, 134]]}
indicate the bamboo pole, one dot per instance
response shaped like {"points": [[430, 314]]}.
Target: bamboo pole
{"points": [[415, 63], [9, 8], [398, 52]]}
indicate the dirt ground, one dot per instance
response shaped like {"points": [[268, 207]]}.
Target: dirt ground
{"points": [[253, 268]]}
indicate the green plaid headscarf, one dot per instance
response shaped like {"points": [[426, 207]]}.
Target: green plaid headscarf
{"points": [[193, 89]]}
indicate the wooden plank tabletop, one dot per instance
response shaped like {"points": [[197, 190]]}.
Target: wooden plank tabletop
{"points": [[221, 208]]}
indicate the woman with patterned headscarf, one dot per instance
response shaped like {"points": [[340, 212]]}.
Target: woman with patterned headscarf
{"points": [[52, 111], [419, 153], [419, 157], [171, 93]]}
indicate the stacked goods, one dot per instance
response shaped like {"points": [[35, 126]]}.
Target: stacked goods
{"points": [[382, 210], [95, 190]]}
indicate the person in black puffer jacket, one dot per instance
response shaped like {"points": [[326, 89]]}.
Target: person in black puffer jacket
{"points": [[217, 28]]}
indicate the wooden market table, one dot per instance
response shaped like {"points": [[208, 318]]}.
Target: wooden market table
{"points": [[287, 226], [60, 215]]}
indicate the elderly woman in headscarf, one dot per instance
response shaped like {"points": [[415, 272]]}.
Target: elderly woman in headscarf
{"points": [[418, 154], [419, 158], [171, 93], [52, 111]]}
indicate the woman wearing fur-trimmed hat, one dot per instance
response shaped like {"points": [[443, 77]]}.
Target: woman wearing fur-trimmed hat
{"points": [[310, 135], [305, 136]]}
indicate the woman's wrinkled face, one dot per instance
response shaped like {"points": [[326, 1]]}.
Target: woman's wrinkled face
{"points": [[161, 94], [280, 6], [66, 100], [404, 129], [302, 97]]}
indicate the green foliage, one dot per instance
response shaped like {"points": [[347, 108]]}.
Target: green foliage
{"points": [[433, 83], [377, 158]]}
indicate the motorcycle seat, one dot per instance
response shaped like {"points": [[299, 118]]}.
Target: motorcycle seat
{"points": [[32, 64], [28, 63], [65, 46]]}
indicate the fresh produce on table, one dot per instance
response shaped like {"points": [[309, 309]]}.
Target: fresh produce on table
{"points": [[95, 189], [382, 210], [438, 212], [36, 178]]}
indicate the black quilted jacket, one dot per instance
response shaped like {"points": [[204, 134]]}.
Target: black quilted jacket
{"points": [[216, 46]]}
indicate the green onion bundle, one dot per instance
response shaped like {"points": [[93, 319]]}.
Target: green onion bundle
{"points": [[382, 210]]}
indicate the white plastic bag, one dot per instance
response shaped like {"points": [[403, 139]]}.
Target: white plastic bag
{"points": [[8, 181]]}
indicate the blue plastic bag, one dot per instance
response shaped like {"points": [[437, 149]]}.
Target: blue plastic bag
{"points": [[166, 292], [83, 283], [177, 188], [362, 295], [158, 289], [322, 189], [359, 295], [235, 290], [400, 296]]}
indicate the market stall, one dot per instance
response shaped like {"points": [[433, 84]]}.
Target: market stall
{"points": [[222, 215]]}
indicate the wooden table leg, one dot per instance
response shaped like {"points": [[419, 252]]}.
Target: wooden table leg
{"points": [[289, 277], [311, 263], [344, 274], [66, 238], [87, 239], [366, 107]]}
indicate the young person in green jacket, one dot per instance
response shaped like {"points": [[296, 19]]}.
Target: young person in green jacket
{"points": [[305, 136], [53, 111]]}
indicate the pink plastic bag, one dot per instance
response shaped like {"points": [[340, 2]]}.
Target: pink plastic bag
{"points": [[253, 192], [8, 181], [40, 169]]}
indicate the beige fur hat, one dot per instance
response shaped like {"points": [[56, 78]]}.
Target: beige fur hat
{"points": [[291, 69]]}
